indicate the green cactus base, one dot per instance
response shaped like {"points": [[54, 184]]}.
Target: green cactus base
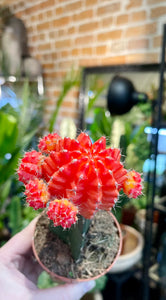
{"points": [[74, 236]]}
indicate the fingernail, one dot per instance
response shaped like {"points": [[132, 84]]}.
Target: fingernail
{"points": [[89, 285]]}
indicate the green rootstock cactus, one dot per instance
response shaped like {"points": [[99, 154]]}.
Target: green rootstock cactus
{"points": [[73, 179]]}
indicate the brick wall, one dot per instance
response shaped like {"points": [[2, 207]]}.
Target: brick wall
{"points": [[65, 33]]}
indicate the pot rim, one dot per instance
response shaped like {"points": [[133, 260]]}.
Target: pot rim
{"points": [[75, 280]]}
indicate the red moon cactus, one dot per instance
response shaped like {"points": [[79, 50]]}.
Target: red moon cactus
{"points": [[132, 186], [62, 213], [88, 175], [36, 193]]}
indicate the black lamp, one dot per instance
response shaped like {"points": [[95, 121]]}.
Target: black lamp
{"points": [[122, 96]]}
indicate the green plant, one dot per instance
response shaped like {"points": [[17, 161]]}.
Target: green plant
{"points": [[71, 80], [101, 125], [19, 128]]}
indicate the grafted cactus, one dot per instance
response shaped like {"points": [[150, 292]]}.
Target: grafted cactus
{"points": [[73, 177]]}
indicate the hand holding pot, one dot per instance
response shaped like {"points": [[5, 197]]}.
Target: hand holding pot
{"points": [[19, 273]]}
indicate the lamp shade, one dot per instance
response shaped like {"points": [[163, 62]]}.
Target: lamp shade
{"points": [[122, 96]]}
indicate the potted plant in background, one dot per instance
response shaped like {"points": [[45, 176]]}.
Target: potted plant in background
{"points": [[21, 119], [77, 183]]}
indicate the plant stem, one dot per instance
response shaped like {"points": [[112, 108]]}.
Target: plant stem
{"points": [[75, 236]]}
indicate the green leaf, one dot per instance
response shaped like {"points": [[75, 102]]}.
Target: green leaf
{"points": [[101, 125], [25, 115], [4, 191], [8, 133], [28, 137], [15, 215], [96, 96], [9, 167], [71, 80], [45, 281]]}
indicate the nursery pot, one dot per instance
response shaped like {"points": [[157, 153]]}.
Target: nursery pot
{"points": [[106, 258]]}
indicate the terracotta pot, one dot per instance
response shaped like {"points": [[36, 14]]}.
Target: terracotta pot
{"points": [[61, 279]]}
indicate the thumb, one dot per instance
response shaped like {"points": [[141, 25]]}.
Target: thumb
{"points": [[21, 243], [65, 292]]}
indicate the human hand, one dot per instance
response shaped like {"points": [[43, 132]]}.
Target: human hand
{"points": [[19, 273]]}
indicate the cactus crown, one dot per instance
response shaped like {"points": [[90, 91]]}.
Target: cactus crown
{"points": [[74, 176]]}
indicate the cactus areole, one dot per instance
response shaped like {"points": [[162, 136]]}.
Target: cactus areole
{"points": [[73, 179]]}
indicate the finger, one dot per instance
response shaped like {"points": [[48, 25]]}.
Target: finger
{"points": [[32, 270], [65, 292], [21, 243]]}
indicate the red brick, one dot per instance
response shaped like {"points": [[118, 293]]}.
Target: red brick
{"points": [[142, 58], [73, 93], [61, 32], [61, 21], [32, 9], [108, 9], [87, 14], [33, 39], [138, 44], [68, 104], [138, 16], [108, 36], [71, 7], [50, 102], [42, 36], [88, 62], [59, 10], [72, 114], [158, 12], [122, 19], [107, 21], [54, 56], [41, 17], [101, 50], [49, 13], [86, 51], [91, 2], [75, 51], [50, 75], [84, 40], [65, 53], [47, 3], [48, 65], [44, 47], [32, 18], [133, 3], [43, 26], [63, 43], [113, 60], [88, 27], [71, 30], [157, 41], [52, 34], [65, 64], [141, 30]]}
